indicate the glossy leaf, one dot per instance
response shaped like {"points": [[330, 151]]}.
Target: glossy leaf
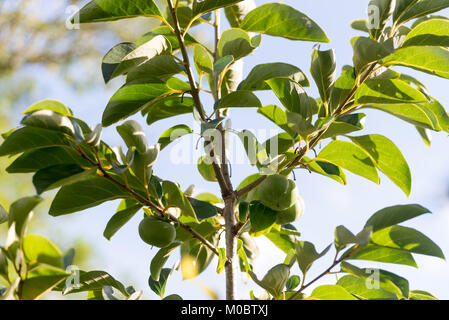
{"points": [[85, 194], [237, 43], [331, 292], [387, 158], [94, 281], [367, 51], [429, 59], [31, 138], [262, 72], [159, 260], [40, 281], [20, 213], [175, 198], [126, 210], [350, 157], [421, 8], [323, 71], [239, 99], [359, 288], [281, 20], [387, 91], [200, 7], [407, 239], [383, 254], [306, 255], [433, 32], [38, 249], [110, 10], [173, 133]]}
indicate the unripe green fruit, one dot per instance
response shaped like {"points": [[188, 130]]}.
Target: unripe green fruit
{"points": [[206, 170], [277, 192], [156, 232], [291, 214]]}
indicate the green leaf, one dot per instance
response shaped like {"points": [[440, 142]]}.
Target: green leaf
{"points": [[157, 46], [47, 119], [38, 249], [262, 72], [221, 260], [301, 126], [32, 161], [52, 105], [85, 194], [41, 281], [344, 125], [420, 9], [341, 89], [427, 18], [293, 97], [204, 63], [59, 175], [381, 278], [203, 210], [208, 197], [408, 239], [387, 91], [327, 169], [292, 283], [383, 254], [401, 7], [31, 138], [277, 116], [306, 255], [168, 34], [133, 97], [236, 13], [275, 279], [175, 198], [360, 25], [110, 10], [359, 288], [133, 135], [201, 254], [4, 217], [421, 295], [161, 67], [331, 292], [284, 242], [281, 20], [433, 32], [350, 157], [387, 158], [94, 281], [174, 133], [344, 237], [237, 43], [391, 216], [126, 210], [380, 15], [262, 218], [323, 71], [200, 7], [223, 64], [167, 108], [426, 135], [159, 260], [20, 213], [114, 57], [418, 114], [239, 99], [367, 51], [429, 59]]}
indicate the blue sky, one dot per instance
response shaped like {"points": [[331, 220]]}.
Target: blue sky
{"points": [[328, 204]]}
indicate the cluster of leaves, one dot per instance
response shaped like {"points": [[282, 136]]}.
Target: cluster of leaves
{"points": [[31, 265], [63, 152]]}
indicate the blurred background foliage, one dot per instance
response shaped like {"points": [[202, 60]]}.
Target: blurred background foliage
{"points": [[35, 41]]}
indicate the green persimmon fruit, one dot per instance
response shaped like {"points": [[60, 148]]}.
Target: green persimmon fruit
{"points": [[277, 192], [156, 232], [291, 214], [206, 170]]}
